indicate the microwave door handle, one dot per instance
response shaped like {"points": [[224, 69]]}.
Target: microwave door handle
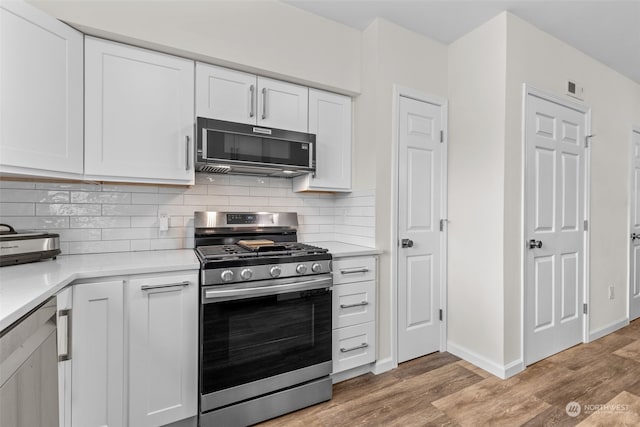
{"points": [[264, 103]]}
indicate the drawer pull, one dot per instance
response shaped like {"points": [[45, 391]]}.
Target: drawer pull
{"points": [[354, 271], [346, 350], [169, 285], [354, 305]]}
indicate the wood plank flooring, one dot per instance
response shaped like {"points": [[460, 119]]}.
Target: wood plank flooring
{"points": [[603, 377]]}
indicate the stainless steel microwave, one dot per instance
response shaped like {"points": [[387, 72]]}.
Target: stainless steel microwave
{"points": [[237, 148]]}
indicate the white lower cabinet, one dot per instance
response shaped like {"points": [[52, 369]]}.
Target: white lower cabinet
{"points": [[134, 351], [97, 397], [354, 313], [163, 342]]}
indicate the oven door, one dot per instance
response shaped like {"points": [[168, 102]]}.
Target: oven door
{"points": [[260, 337]]}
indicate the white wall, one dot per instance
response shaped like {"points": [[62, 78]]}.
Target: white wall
{"points": [[391, 55], [265, 37], [477, 72], [545, 62]]}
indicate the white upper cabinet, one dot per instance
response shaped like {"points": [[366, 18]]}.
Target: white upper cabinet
{"points": [[138, 114], [330, 120], [225, 94], [282, 105], [234, 96], [40, 94]]}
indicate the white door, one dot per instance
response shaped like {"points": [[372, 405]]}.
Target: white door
{"points": [[634, 297], [419, 213], [225, 94], [554, 229], [163, 349], [97, 366], [40, 93], [138, 113], [282, 105]]}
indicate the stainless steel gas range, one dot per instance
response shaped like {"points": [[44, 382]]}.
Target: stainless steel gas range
{"points": [[265, 318]]}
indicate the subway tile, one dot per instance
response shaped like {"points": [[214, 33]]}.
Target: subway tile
{"points": [[100, 197], [317, 219], [17, 209], [281, 182], [363, 221], [212, 179], [284, 201], [195, 190], [64, 248], [123, 188], [100, 246], [129, 233], [130, 210], [249, 181], [176, 232], [80, 234], [4, 183], [66, 209], [176, 221], [157, 199], [219, 190], [36, 223], [161, 244], [206, 200], [100, 222], [248, 201], [141, 245], [37, 196], [164, 189], [176, 210], [71, 186], [144, 221]]}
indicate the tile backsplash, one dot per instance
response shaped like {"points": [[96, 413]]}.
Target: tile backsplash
{"points": [[94, 218]]}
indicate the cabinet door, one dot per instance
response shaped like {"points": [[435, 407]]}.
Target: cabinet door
{"points": [[225, 94], [40, 93], [282, 105], [98, 354], [330, 120], [354, 346], [138, 114], [163, 349]]}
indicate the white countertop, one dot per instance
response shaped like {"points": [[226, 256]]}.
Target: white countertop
{"points": [[24, 287], [343, 250]]}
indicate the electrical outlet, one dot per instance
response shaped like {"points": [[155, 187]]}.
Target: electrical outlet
{"points": [[611, 295], [163, 219]]}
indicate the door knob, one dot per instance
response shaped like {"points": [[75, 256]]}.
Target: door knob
{"points": [[535, 244], [407, 243], [635, 236]]}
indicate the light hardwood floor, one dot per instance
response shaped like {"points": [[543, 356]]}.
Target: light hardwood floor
{"points": [[442, 390]]}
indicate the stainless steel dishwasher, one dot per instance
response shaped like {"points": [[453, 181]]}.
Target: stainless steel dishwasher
{"points": [[29, 370]]}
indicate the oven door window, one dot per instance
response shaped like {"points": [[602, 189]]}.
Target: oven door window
{"points": [[257, 149], [251, 339]]}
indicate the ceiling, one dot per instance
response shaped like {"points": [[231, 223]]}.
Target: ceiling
{"points": [[607, 30]]}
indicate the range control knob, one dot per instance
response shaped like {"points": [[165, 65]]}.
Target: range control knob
{"points": [[316, 267], [275, 271], [301, 269], [227, 276], [246, 274]]}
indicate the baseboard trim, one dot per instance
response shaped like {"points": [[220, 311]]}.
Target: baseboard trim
{"points": [[383, 365], [351, 373], [500, 371], [599, 333]]}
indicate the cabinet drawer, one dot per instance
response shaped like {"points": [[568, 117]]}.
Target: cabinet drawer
{"points": [[358, 269], [354, 346], [354, 303]]}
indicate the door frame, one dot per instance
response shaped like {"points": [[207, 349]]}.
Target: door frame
{"points": [[528, 89], [443, 103], [634, 129]]}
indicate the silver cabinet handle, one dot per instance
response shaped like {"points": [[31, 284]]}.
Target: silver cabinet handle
{"points": [[354, 271], [64, 329], [264, 103], [187, 162], [252, 91], [163, 286], [358, 347], [358, 304]]}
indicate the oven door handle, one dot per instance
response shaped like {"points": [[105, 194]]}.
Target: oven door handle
{"points": [[216, 295]]}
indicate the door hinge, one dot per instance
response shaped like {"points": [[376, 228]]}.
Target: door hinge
{"points": [[441, 136], [586, 225], [442, 222], [585, 308], [440, 315]]}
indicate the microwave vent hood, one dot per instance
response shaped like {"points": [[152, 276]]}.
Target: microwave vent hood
{"points": [[243, 149]]}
